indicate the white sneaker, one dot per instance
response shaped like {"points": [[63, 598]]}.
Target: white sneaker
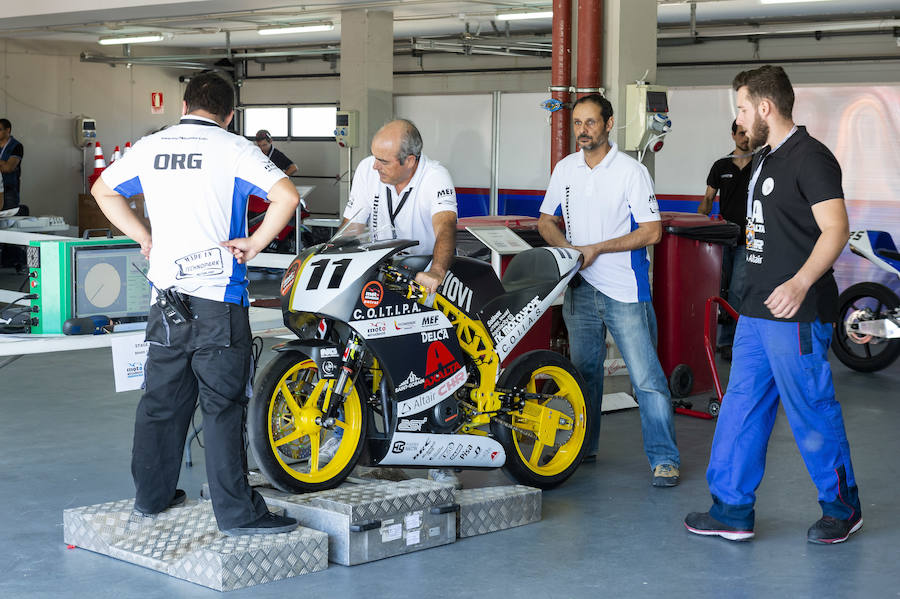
{"points": [[328, 449], [444, 475]]}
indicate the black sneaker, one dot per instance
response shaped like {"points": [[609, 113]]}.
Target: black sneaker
{"points": [[828, 530], [701, 523], [268, 523], [179, 498]]}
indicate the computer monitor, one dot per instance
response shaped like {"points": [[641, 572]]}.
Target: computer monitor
{"points": [[107, 283]]}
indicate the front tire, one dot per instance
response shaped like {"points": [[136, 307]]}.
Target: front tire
{"points": [[552, 458], [864, 355], [284, 435]]}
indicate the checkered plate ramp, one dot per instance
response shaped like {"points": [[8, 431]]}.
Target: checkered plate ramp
{"points": [[378, 500], [185, 542], [490, 509]]}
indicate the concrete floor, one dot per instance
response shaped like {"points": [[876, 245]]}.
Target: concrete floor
{"points": [[65, 441]]}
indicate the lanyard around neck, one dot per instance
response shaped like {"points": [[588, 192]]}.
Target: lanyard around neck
{"points": [[391, 212]]}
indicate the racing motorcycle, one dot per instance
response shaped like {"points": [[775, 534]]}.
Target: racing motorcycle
{"points": [[867, 337], [384, 370]]}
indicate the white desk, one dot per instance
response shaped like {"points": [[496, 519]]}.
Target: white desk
{"points": [[264, 322]]}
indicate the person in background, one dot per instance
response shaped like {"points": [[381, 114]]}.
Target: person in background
{"points": [[796, 228], [196, 178], [729, 177], [605, 200], [264, 142], [11, 153]]}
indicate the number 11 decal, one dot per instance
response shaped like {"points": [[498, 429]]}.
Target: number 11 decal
{"points": [[318, 271]]}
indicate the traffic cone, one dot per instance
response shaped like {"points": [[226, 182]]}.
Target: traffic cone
{"points": [[99, 164], [116, 155]]}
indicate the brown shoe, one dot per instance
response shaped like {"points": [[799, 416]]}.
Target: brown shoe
{"points": [[665, 475]]}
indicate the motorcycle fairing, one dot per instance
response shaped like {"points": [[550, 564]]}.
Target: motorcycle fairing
{"points": [[532, 281], [437, 450], [470, 284], [332, 277], [878, 248]]}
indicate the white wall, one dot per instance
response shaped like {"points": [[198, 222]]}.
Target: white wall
{"points": [[44, 86]]}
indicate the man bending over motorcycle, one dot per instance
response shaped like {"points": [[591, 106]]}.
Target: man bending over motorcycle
{"points": [[408, 196]]}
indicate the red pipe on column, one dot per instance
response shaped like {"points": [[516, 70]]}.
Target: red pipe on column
{"points": [[590, 47], [560, 128]]}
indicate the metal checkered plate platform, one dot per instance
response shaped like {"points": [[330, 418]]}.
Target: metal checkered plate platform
{"points": [[377, 520], [185, 542], [490, 509]]}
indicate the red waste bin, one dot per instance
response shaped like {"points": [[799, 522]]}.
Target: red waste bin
{"points": [[687, 269]]}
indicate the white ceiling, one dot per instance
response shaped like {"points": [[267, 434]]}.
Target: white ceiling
{"points": [[203, 23]]}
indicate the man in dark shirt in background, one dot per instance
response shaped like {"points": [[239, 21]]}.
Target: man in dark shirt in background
{"points": [[11, 153], [264, 141], [796, 228], [729, 177]]}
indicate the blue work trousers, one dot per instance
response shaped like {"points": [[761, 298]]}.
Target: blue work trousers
{"points": [[588, 313], [775, 360]]}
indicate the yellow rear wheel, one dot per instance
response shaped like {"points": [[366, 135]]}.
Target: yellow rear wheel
{"points": [[285, 424], [548, 438]]}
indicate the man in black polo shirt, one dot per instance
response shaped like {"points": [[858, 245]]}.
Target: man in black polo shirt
{"points": [[729, 177], [264, 141], [796, 228]]}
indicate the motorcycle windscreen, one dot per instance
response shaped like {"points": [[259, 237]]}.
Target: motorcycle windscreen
{"points": [[415, 345]]}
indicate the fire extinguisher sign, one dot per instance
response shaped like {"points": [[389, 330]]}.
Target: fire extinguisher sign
{"points": [[156, 103]]}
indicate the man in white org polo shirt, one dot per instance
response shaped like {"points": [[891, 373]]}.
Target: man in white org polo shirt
{"points": [[605, 199], [400, 186], [196, 178]]}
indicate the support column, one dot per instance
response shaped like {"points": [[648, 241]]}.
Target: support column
{"points": [[367, 79], [629, 49]]}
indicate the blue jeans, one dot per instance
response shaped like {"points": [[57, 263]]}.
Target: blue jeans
{"points": [[734, 279], [588, 313], [786, 361]]}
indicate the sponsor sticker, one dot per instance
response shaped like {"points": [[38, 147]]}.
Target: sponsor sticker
{"points": [[409, 382], [411, 425], [372, 294], [289, 277], [439, 364]]}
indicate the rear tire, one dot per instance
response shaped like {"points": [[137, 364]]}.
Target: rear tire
{"points": [[284, 436], [545, 466], [873, 355]]}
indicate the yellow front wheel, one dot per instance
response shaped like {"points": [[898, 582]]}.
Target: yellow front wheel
{"points": [[546, 440], [285, 425]]}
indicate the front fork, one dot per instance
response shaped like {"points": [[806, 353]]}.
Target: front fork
{"points": [[354, 355]]}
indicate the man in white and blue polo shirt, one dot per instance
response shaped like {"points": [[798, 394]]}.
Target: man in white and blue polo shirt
{"points": [[196, 178], [605, 199]]}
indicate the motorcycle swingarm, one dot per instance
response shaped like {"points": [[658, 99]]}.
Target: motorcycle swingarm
{"points": [[886, 328]]}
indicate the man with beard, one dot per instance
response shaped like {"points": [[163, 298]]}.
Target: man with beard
{"points": [[729, 177], [605, 200], [796, 228]]}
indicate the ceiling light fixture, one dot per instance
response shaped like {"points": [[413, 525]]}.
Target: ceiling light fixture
{"points": [[521, 16], [310, 28], [789, 1], [138, 38]]}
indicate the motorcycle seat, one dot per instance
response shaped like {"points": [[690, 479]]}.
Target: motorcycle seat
{"points": [[532, 268]]}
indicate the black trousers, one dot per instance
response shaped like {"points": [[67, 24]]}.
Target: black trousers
{"points": [[208, 358]]}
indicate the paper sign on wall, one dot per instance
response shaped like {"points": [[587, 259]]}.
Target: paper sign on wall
{"points": [[156, 103], [129, 353]]}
